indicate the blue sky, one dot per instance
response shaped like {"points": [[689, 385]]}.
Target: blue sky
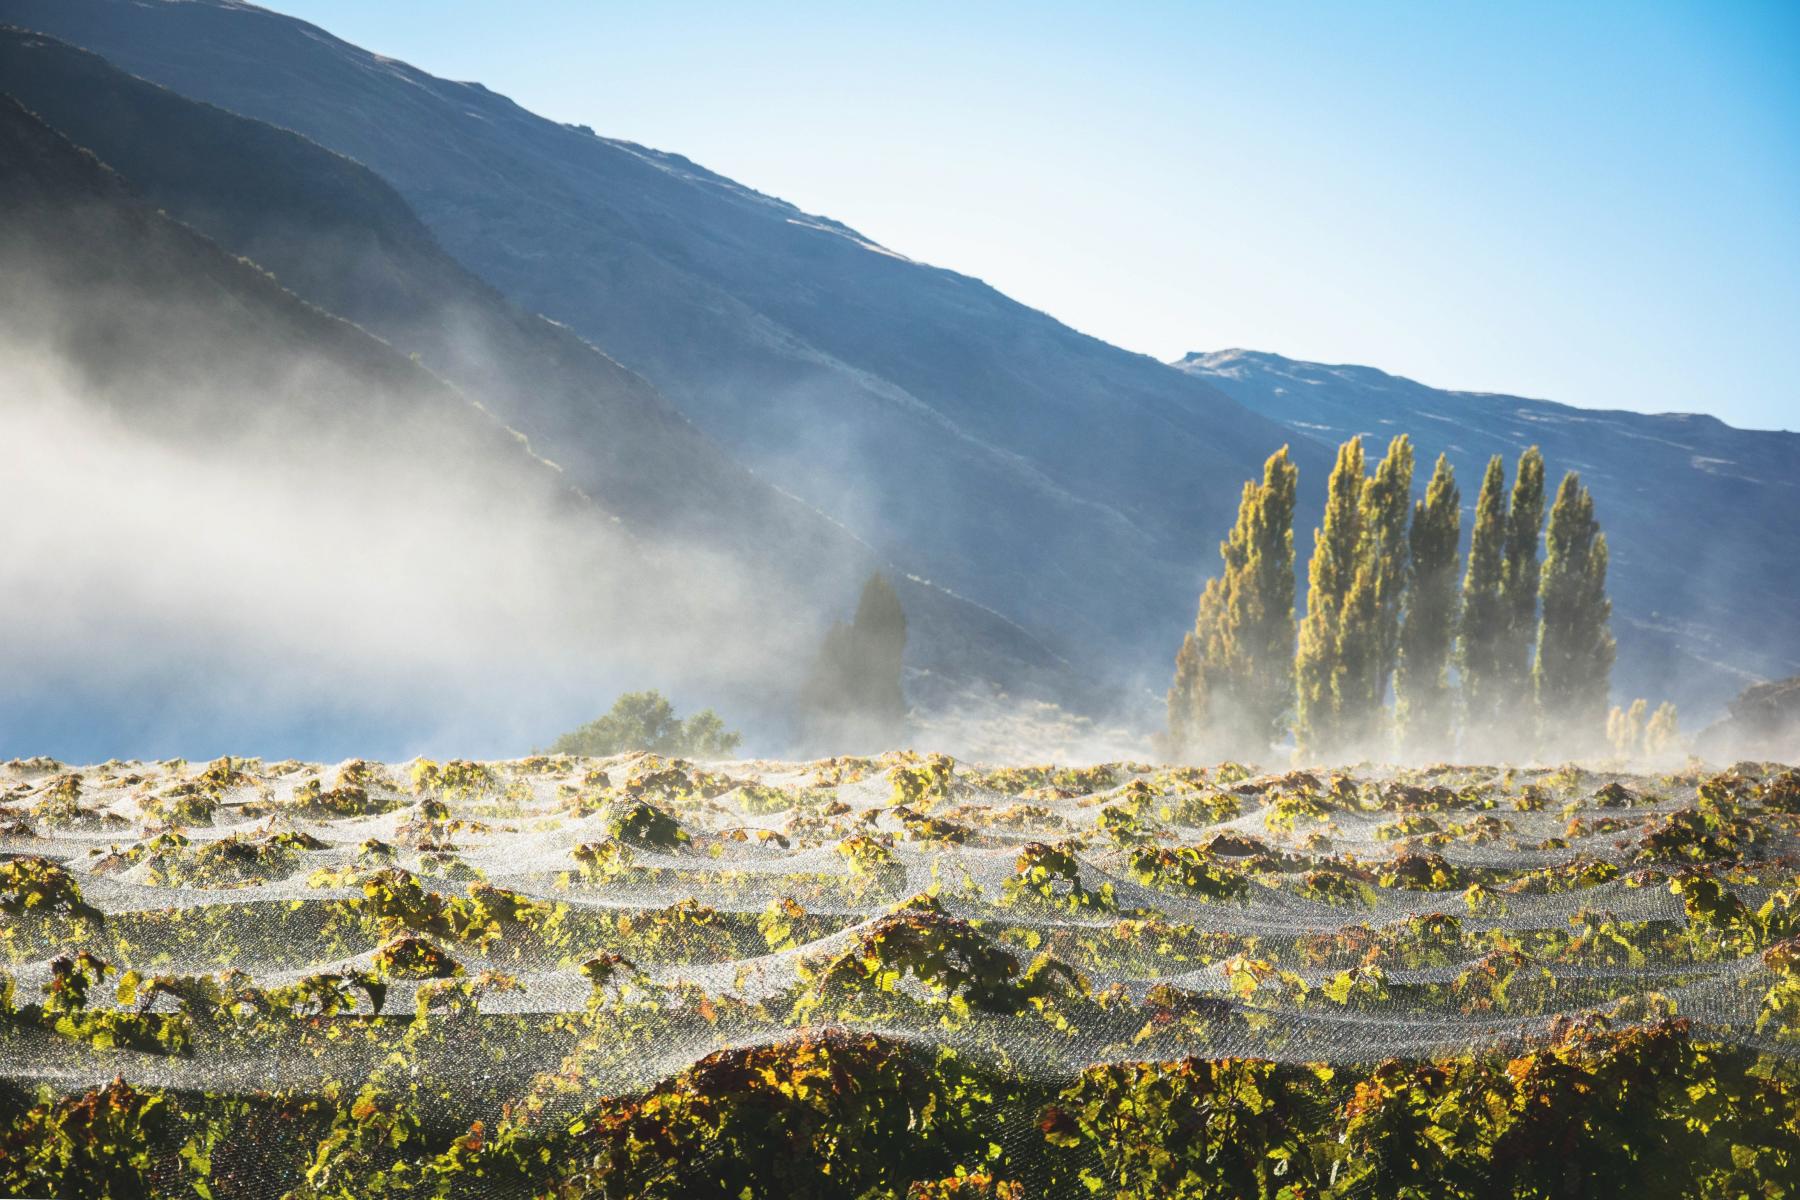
{"points": [[1595, 203]]}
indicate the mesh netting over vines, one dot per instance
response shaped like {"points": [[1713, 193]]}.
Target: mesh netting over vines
{"points": [[514, 978]]}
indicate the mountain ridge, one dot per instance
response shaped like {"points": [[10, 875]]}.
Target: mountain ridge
{"points": [[1222, 359], [920, 407], [340, 237]]}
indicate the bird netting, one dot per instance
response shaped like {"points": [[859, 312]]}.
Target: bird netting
{"points": [[643, 976]]}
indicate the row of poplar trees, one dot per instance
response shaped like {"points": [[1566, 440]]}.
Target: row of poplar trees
{"points": [[1507, 657]]}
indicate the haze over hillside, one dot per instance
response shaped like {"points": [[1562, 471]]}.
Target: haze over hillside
{"points": [[340, 238], [1023, 464], [849, 407], [531, 669], [246, 513]]}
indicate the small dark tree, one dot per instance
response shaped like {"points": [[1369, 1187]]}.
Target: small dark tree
{"points": [[853, 699], [1234, 676]]}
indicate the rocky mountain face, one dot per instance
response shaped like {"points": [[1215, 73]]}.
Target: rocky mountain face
{"points": [[206, 469], [339, 237], [1073, 487], [1702, 519]]}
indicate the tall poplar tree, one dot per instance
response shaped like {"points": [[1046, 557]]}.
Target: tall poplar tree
{"points": [[1264, 610], [1662, 736], [1478, 651], [1575, 646], [1386, 502], [1357, 672], [1422, 709], [1234, 674], [1519, 584], [1331, 576]]}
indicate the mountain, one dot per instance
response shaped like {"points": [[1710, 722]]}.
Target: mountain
{"points": [[336, 235], [1044, 481], [1074, 487], [1703, 520], [175, 335], [241, 522], [339, 237], [205, 479]]}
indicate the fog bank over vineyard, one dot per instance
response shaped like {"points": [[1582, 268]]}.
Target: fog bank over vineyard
{"points": [[324, 578], [242, 518]]}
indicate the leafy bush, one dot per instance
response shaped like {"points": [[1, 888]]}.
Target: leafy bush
{"points": [[647, 721]]}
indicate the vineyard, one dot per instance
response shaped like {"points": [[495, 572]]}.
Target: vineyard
{"points": [[894, 977]]}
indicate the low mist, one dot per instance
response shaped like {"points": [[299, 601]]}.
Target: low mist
{"points": [[372, 587]]}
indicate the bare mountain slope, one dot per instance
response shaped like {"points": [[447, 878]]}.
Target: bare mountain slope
{"points": [[211, 474], [340, 237], [1071, 485]]}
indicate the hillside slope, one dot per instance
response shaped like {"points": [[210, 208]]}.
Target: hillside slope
{"points": [[234, 515], [176, 335], [1703, 520], [1071, 485], [337, 235]]}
